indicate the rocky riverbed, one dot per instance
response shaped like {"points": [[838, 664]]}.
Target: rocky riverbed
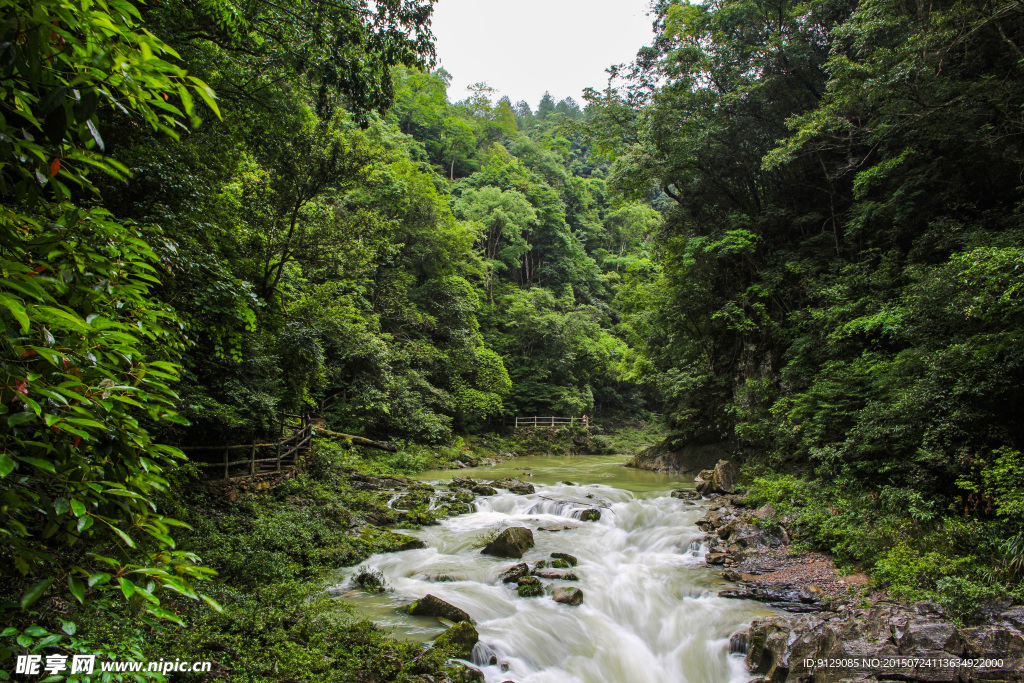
{"points": [[839, 630]]}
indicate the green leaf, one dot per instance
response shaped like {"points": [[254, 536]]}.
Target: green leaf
{"points": [[95, 134], [124, 537], [77, 588], [98, 578], [17, 309], [46, 642], [6, 464], [20, 418], [211, 602], [127, 587], [68, 627], [41, 464], [61, 318], [36, 631], [34, 593], [78, 507]]}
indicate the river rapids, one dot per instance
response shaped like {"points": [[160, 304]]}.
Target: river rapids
{"points": [[650, 611]]}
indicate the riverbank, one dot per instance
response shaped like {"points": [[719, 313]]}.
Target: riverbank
{"points": [[839, 627]]}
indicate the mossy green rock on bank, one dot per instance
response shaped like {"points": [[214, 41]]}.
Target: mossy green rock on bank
{"points": [[459, 639], [512, 542]]}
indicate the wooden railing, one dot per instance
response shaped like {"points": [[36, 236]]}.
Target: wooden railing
{"points": [[288, 447], [534, 422]]}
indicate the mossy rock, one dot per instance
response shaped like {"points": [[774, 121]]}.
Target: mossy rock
{"points": [[433, 606], [568, 596], [591, 515], [520, 488], [566, 557], [512, 542], [384, 541], [560, 564], [459, 640], [515, 572], [529, 587], [484, 490]]}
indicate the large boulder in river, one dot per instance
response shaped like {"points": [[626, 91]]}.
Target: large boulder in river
{"points": [[512, 542], [459, 639], [432, 606], [722, 479], [591, 515], [568, 596]]}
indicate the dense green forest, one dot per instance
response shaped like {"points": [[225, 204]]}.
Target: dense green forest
{"points": [[793, 228], [840, 295]]}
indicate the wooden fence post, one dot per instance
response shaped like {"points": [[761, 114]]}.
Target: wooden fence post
{"points": [[278, 460], [227, 453], [252, 458]]}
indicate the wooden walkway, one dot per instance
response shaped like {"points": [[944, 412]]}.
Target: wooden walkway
{"points": [[280, 456], [285, 455], [535, 422]]}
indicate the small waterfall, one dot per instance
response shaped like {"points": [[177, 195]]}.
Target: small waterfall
{"points": [[650, 612]]}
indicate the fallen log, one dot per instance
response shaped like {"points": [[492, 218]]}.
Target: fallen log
{"points": [[358, 440]]}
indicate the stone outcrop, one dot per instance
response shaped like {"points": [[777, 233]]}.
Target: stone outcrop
{"points": [[433, 606], [898, 642], [722, 478], [688, 459], [512, 542]]}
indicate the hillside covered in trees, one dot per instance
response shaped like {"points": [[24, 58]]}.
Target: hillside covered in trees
{"points": [[792, 228]]}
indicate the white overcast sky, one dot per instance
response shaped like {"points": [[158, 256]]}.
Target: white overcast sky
{"points": [[525, 47]]}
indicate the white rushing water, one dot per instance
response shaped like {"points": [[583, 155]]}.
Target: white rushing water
{"points": [[650, 611]]}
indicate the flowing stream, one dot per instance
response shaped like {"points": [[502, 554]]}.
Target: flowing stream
{"points": [[650, 611]]}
